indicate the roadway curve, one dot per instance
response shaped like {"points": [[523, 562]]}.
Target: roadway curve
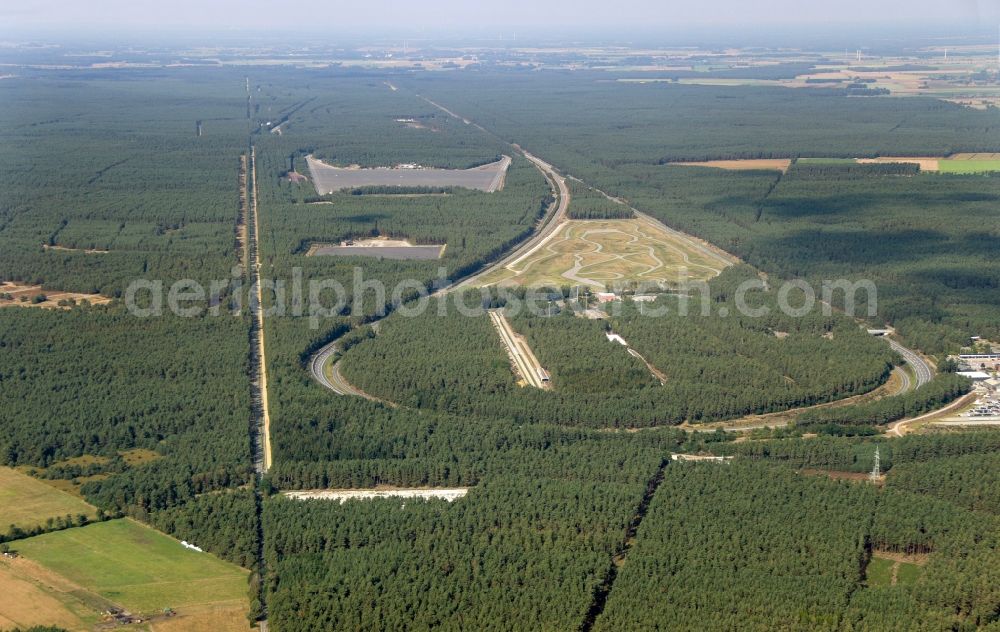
{"points": [[921, 368]]}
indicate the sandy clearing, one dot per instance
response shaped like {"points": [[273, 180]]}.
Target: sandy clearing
{"points": [[968, 421], [925, 163], [343, 495], [382, 247], [769, 164], [836, 474], [89, 251], [52, 298]]}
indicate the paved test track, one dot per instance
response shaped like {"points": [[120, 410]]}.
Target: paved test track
{"points": [[921, 369]]}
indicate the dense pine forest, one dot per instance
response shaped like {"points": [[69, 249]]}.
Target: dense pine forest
{"points": [[716, 367], [795, 549], [576, 515], [159, 406]]}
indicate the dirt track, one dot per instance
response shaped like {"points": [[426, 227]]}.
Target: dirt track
{"points": [[263, 439]]}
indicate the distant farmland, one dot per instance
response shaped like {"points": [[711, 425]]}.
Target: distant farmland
{"points": [[28, 502], [139, 568], [328, 179]]}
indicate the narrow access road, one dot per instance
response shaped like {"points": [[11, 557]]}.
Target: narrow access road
{"points": [[900, 428], [655, 372]]}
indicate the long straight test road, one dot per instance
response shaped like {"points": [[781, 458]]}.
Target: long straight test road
{"points": [[258, 357]]}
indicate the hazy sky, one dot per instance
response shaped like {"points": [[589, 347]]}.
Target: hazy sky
{"points": [[340, 15]]}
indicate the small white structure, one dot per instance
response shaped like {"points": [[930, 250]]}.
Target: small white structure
{"points": [[343, 495], [975, 376], [613, 337], [696, 457], [188, 545]]}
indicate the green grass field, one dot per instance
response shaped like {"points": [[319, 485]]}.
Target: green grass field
{"points": [[879, 572], [136, 567], [968, 166], [908, 573], [28, 502]]}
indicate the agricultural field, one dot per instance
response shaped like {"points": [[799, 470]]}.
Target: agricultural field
{"points": [[765, 164], [604, 254], [33, 595], [28, 502], [138, 568], [969, 165]]}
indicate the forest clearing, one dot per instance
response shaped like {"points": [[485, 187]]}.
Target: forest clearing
{"points": [[769, 164], [383, 247], [35, 296], [964, 163]]}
